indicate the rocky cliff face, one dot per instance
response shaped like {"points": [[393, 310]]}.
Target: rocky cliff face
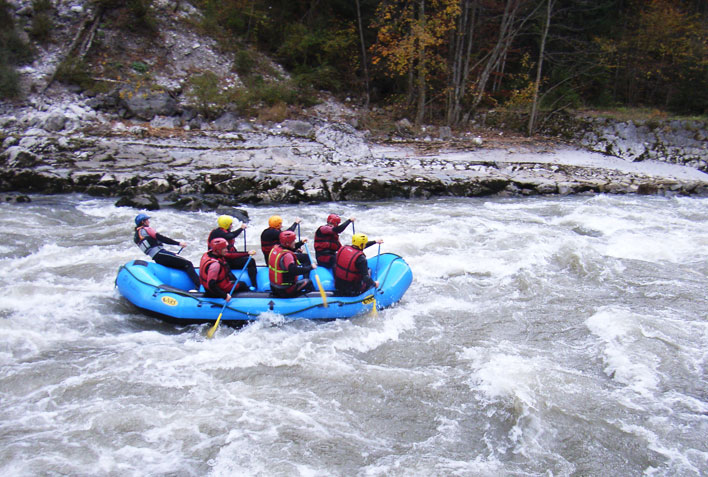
{"points": [[143, 139]]}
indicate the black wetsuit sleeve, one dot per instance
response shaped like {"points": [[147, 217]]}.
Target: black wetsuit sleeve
{"points": [[293, 227], [340, 228], [369, 244], [299, 270], [166, 240]]}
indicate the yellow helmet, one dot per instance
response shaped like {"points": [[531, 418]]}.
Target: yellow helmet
{"points": [[224, 221], [275, 221], [359, 241]]}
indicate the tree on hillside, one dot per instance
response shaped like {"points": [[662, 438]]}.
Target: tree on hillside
{"points": [[662, 58], [410, 43]]}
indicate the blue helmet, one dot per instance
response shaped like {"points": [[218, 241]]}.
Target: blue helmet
{"points": [[140, 217]]}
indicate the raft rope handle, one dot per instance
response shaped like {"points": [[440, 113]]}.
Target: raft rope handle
{"points": [[159, 290], [388, 269]]}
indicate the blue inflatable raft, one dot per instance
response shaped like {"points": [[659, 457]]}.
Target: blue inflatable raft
{"points": [[161, 292]]}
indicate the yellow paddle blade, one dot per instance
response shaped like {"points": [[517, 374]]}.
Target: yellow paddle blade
{"points": [[374, 311], [212, 330], [322, 292]]}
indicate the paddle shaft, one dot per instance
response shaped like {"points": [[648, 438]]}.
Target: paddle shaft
{"points": [[212, 330]]}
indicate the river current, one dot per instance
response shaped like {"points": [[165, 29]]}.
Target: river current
{"points": [[541, 336]]}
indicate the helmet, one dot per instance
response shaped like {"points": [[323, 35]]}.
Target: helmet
{"points": [[333, 219], [140, 217], [224, 221], [359, 241], [218, 244], [275, 221], [287, 238]]}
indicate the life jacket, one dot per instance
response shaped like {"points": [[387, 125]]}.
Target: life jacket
{"points": [[345, 268], [222, 279], [327, 243], [278, 262], [268, 240], [146, 240]]}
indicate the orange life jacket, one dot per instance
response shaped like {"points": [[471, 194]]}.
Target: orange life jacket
{"points": [[278, 262]]}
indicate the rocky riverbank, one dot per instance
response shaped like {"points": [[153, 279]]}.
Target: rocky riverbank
{"points": [[67, 146]]}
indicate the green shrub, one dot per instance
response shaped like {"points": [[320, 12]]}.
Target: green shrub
{"points": [[209, 99], [75, 71], [9, 82], [42, 24], [244, 62], [139, 66]]}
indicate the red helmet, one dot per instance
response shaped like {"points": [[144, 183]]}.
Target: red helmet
{"points": [[333, 219], [218, 244], [287, 238]]}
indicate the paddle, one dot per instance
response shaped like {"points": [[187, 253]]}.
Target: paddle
{"points": [[212, 330], [317, 278], [374, 312], [245, 249], [180, 250]]}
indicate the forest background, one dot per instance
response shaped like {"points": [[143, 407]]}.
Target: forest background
{"points": [[433, 61]]}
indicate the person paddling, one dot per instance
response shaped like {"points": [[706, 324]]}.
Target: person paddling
{"points": [[271, 236], [151, 242], [235, 259], [327, 239], [284, 269], [215, 274], [352, 275]]}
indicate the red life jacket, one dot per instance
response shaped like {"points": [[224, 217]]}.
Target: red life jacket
{"points": [[278, 262], [325, 242], [345, 268], [146, 240], [222, 279]]}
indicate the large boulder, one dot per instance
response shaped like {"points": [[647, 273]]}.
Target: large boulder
{"points": [[146, 104], [141, 201]]}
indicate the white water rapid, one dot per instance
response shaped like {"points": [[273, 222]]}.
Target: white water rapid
{"points": [[541, 336]]}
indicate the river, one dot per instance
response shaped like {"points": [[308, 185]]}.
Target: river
{"points": [[541, 336]]}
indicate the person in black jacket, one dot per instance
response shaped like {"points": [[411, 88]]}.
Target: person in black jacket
{"points": [[270, 237]]}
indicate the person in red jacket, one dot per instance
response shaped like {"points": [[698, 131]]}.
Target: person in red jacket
{"points": [[352, 275], [284, 269], [327, 240], [215, 274], [151, 243], [235, 259], [270, 237]]}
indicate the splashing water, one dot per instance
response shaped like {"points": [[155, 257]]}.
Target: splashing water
{"points": [[554, 336]]}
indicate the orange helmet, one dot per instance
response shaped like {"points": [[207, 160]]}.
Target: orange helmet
{"points": [[275, 221], [287, 238]]}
